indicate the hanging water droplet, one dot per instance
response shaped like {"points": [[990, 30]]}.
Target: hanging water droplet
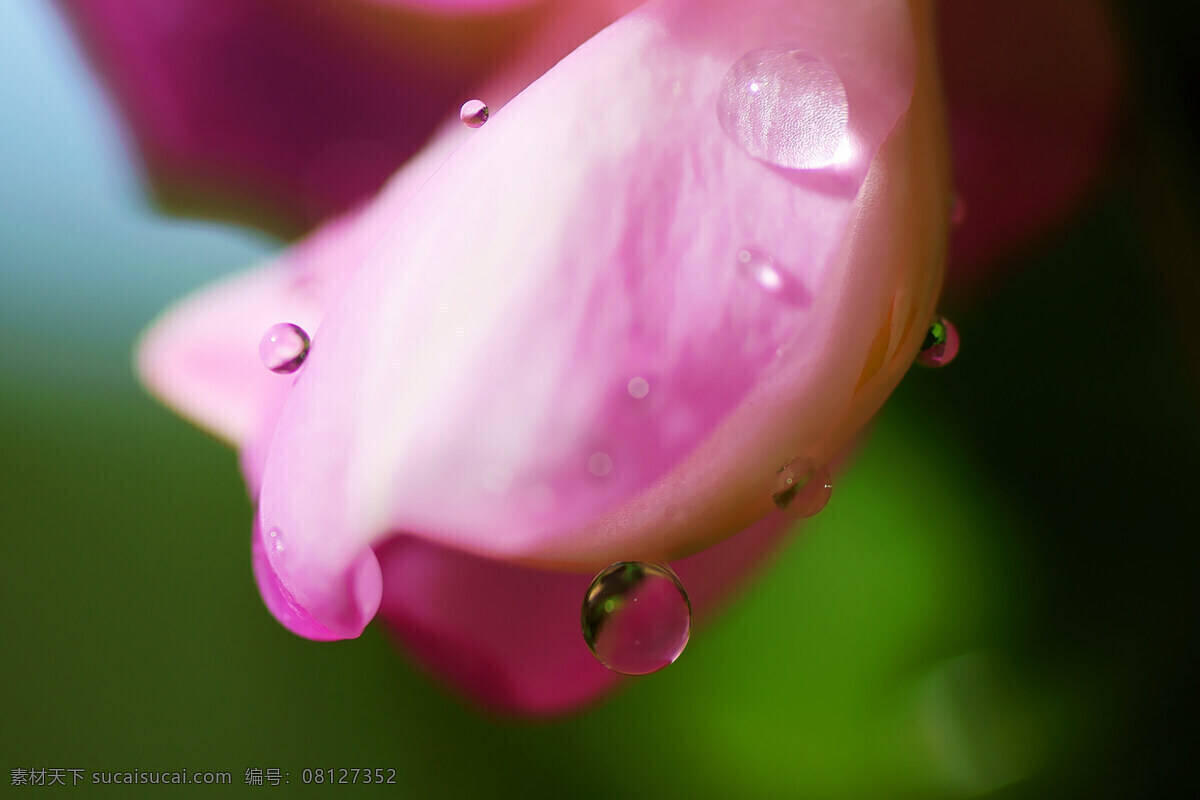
{"points": [[636, 617], [760, 268], [940, 345], [958, 211], [638, 388], [802, 491], [474, 113], [284, 347], [600, 464], [786, 107]]}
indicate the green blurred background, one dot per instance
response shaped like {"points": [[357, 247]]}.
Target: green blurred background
{"points": [[1001, 598]]}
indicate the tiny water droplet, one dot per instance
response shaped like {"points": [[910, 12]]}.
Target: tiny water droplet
{"points": [[600, 464], [802, 491], [760, 268], [636, 617], [638, 388], [958, 211], [940, 345], [786, 107], [284, 347], [474, 113], [276, 542]]}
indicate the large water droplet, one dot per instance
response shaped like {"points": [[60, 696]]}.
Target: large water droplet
{"points": [[761, 268], [284, 347], [786, 107], [802, 491], [474, 113], [636, 617], [940, 345]]}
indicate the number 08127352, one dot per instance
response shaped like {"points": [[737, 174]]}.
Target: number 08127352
{"points": [[348, 775]]}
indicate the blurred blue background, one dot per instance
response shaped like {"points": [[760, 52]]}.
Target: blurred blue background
{"points": [[1000, 599]]}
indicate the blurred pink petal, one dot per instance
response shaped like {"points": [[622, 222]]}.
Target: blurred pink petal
{"points": [[295, 109], [1032, 89], [471, 385], [344, 92], [459, 6], [508, 636]]}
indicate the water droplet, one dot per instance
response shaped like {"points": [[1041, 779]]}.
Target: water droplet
{"points": [[940, 345], [636, 617], [958, 211], [786, 107], [276, 542], [638, 388], [760, 268], [802, 491], [284, 347], [474, 113], [600, 464]]}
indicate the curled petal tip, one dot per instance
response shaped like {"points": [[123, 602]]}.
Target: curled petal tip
{"points": [[338, 607]]}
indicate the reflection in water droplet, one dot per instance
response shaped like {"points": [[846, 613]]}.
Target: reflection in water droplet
{"points": [[802, 491], [638, 388], [940, 345], [786, 107], [284, 347], [600, 464], [474, 113], [759, 267], [636, 617], [276, 542]]}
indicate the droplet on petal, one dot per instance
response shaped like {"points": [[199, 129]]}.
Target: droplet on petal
{"points": [[638, 388], [474, 113], [940, 345], [636, 617], [760, 268], [802, 491], [284, 347], [786, 107], [600, 464]]}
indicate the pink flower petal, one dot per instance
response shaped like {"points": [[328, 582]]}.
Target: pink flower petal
{"points": [[1033, 90], [201, 355], [509, 636], [471, 386], [287, 112], [459, 6]]}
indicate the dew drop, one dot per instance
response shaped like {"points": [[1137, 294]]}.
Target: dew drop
{"points": [[638, 388], [284, 347], [636, 617], [802, 491], [474, 113], [786, 107], [940, 345], [600, 464], [760, 268]]}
